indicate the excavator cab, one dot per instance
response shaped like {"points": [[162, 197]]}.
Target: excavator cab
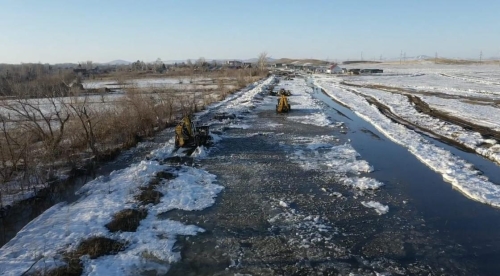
{"points": [[189, 135], [283, 105]]}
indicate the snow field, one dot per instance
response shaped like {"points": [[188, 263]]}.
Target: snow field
{"points": [[448, 78], [400, 106]]}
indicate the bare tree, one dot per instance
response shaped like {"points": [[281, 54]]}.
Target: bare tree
{"points": [[262, 61], [158, 65], [89, 65], [46, 118], [200, 62], [81, 110], [13, 149]]}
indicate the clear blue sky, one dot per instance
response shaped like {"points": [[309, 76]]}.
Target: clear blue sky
{"points": [[71, 30]]}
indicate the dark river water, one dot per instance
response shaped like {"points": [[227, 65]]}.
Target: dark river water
{"points": [[471, 224]]}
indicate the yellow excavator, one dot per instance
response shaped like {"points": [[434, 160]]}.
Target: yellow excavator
{"points": [[283, 105], [189, 135]]}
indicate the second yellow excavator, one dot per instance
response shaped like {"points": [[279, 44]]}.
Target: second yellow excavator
{"points": [[283, 105]]}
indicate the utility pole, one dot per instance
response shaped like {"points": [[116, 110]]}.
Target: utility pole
{"points": [[400, 56], [380, 57], [361, 55], [481, 56], [436, 57]]}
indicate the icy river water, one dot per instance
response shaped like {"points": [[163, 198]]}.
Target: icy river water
{"points": [[286, 208], [269, 218], [470, 224]]}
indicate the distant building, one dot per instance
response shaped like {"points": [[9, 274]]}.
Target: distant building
{"points": [[334, 69], [234, 63], [354, 71], [80, 71], [320, 69], [371, 71]]}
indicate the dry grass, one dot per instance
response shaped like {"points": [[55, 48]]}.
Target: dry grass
{"points": [[74, 268], [126, 220], [94, 247], [148, 194], [454, 61]]}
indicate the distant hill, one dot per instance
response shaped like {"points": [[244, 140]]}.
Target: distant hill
{"points": [[302, 61], [422, 57], [254, 60], [118, 62], [251, 60], [359, 61]]}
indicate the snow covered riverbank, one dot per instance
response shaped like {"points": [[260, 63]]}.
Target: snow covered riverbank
{"points": [[455, 170], [45, 243]]}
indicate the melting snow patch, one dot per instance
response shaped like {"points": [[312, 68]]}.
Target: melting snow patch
{"points": [[200, 152], [283, 204], [379, 208], [192, 190], [239, 126], [340, 159], [317, 119], [363, 183], [62, 227]]}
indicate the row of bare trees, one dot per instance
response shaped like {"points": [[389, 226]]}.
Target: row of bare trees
{"points": [[44, 126], [38, 135]]}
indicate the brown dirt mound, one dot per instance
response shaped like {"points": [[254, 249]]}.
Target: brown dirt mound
{"points": [[149, 196], [95, 247], [74, 268], [126, 220], [165, 175]]}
